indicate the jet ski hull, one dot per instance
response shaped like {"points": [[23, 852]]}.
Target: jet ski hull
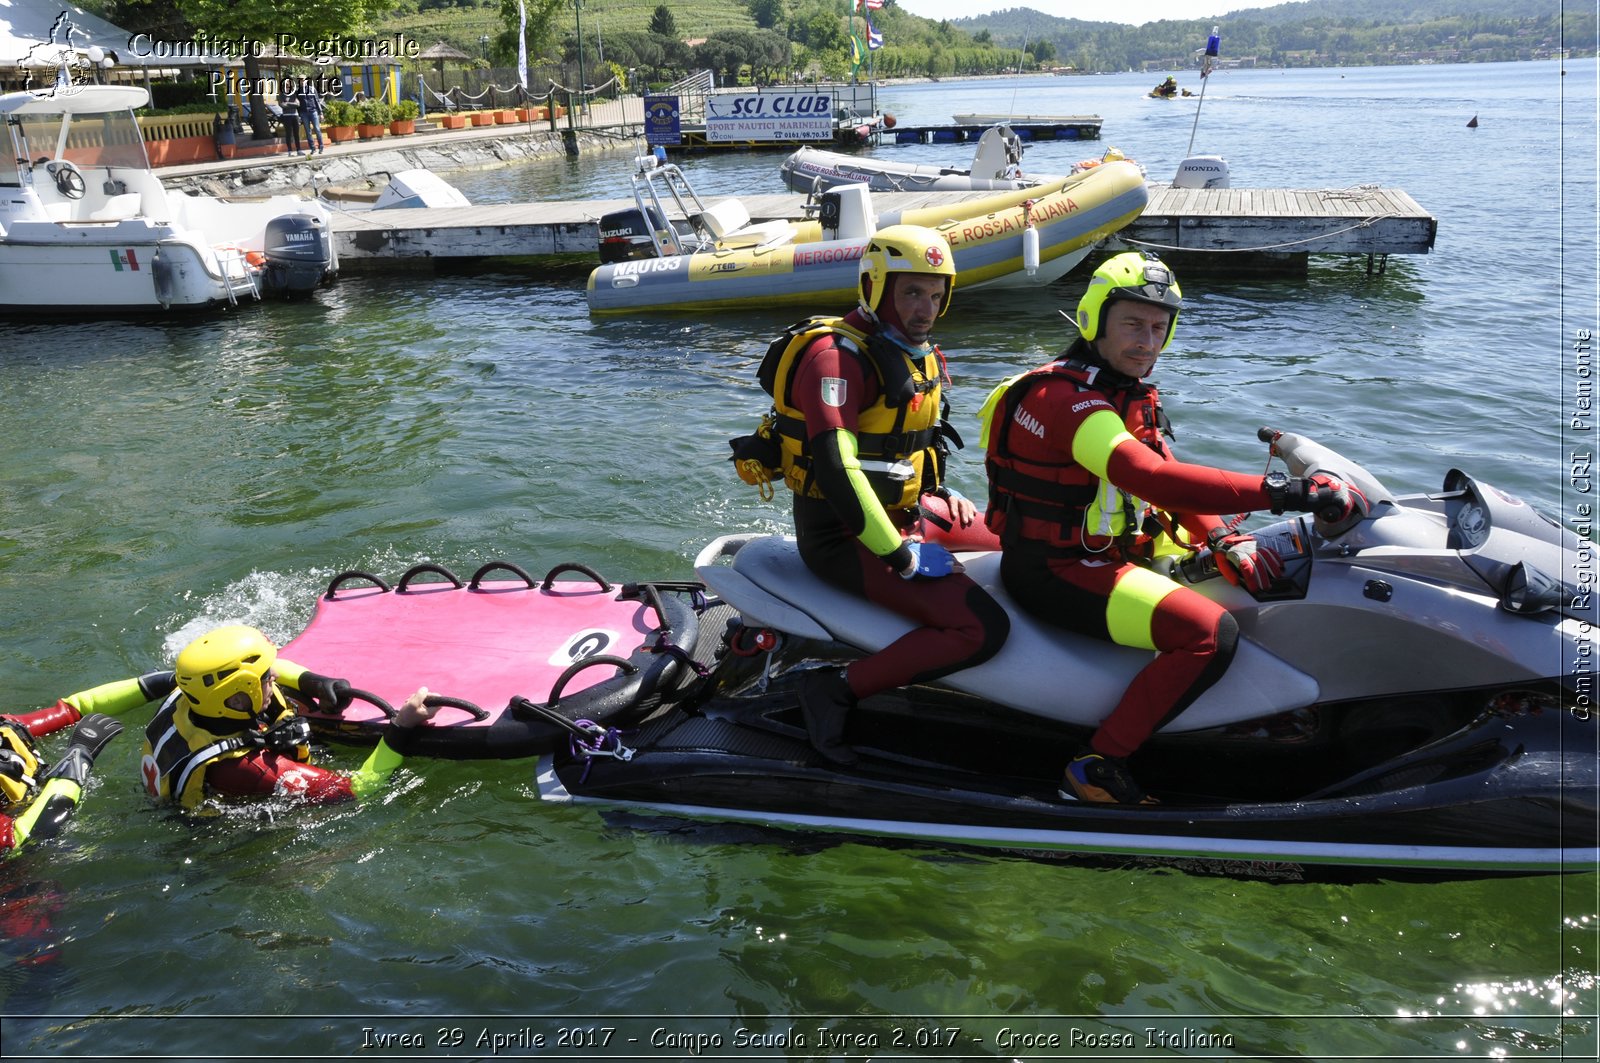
{"points": [[1494, 797]]}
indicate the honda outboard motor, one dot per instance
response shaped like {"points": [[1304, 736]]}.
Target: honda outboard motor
{"points": [[299, 253], [1202, 171], [625, 235]]}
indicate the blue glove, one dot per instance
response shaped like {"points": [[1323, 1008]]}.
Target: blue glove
{"points": [[928, 560]]}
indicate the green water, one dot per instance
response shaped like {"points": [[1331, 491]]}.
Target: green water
{"points": [[162, 478]]}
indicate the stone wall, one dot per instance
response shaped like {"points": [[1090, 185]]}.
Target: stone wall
{"points": [[437, 152]]}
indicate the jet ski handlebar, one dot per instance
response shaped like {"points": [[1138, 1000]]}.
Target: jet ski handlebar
{"points": [[1306, 457]]}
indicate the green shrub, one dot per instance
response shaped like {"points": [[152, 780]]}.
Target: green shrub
{"points": [[405, 111], [373, 112], [339, 113]]}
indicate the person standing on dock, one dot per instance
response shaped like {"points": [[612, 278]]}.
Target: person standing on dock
{"points": [[1085, 494], [311, 116], [859, 419], [289, 102]]}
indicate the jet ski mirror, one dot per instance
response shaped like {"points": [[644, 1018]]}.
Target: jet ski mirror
{"points": [[1528, 591]]}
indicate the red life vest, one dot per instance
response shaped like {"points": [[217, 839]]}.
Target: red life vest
{"points": [[1063, 505]]}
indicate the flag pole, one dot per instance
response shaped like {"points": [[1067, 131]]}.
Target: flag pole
{"points": [[1213, 46]]}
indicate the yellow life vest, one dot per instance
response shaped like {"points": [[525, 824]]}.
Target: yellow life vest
{"points": [[15, 785], [179, 748], [896, 437]]}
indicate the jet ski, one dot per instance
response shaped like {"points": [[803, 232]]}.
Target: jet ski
{"points": [[1411, 699]]}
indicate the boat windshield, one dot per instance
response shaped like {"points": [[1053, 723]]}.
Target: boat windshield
{"points": [[109, 139]]}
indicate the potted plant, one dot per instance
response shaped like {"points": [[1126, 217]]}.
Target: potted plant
{"points": [[453, 121], [506, 116], [339, 119], [372, 118], [403, 117], [483, 117]]}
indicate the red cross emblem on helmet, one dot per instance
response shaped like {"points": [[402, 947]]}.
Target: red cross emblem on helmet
{"points": [[934, 256]]}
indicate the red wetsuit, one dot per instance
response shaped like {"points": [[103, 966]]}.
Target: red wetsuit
{"points": [[1074, 586], [962, 625]]}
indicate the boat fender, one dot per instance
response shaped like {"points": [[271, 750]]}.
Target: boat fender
{"points": [[1030, 239], [1030, 250], [161, 274]]}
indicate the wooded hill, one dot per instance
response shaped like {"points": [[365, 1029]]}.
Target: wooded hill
{"points": [[776, 40], [1311, 33]]}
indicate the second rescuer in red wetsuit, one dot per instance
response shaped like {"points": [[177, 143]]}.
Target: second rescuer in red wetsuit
{"points": [[859, 417], [1084, 491]]}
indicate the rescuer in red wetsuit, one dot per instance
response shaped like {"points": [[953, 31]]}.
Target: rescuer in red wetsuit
{"points": [[1084, 492], [859, 418], [37, 800]]}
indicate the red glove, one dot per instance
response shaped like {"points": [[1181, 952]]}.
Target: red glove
{"points": [[1246, 563]]}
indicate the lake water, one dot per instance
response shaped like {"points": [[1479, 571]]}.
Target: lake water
{"points": [[164, 477]]}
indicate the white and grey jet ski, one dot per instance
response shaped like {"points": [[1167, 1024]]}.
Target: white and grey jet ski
{"points": [[1412, 697]]}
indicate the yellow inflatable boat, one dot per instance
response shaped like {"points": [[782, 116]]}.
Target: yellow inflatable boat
{"points": [[724, 261]]}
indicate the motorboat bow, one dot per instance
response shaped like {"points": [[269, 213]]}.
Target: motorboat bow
{"points": [[86, 225]]}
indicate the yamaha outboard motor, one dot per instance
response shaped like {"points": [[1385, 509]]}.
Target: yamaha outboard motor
{"points": [[299, 253], [625, 235]]}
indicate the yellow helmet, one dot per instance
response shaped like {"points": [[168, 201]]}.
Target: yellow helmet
{"points": [[1134, 275], [904, 249], [214, 667]]}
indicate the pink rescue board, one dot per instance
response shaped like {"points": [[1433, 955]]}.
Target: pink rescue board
{"points": [[487, 643]]}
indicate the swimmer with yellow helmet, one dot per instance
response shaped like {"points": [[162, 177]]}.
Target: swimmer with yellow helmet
{"points": [[225, 730], [858, 415]]}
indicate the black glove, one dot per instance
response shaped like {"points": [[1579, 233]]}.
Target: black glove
{"points": [[323, 693], [1329, 498], [88, 739]]}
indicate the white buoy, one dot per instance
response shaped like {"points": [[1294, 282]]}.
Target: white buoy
{"points": [[1030, 250]]}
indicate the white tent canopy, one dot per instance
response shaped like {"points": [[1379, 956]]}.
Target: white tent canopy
{"points": [[39, 35]]}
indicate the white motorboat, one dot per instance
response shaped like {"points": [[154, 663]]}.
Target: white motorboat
{"points": [[87, 226], [406, 189], [996, 167]]}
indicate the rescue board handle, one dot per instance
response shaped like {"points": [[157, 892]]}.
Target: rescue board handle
{"points": [[627, 668], [477, 577], [353, 573], [426, 567], [372, 699], [573, 566], [445, 701]]}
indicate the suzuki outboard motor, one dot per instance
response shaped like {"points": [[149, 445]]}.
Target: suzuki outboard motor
{"points": [[625, 235], [299, 253]]}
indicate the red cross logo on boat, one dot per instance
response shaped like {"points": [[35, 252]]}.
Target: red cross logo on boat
{"points": [[934, 256]]}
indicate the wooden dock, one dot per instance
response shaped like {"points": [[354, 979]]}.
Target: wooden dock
{"points": [[1086, 127], [1205, 224]]}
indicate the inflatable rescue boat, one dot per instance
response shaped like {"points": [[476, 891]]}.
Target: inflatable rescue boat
{"points": [[513, 662], [996, 166], [724, 261]]}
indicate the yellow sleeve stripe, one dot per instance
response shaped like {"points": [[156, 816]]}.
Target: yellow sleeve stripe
{"points": [[1099, 434], [878, 533], [113, 698]]}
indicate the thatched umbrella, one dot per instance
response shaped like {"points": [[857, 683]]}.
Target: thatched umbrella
{"points": [[439, 53]]}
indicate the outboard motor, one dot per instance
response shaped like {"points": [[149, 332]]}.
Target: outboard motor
{"points": [[1202, 171], [625, 235], [299, 253]]}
